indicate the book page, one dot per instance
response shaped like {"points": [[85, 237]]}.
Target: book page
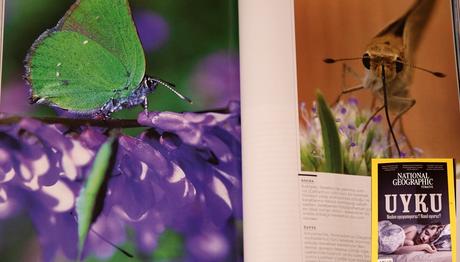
{"points": [[335, 211], [364, 90], [282, 65], [269, 132]]}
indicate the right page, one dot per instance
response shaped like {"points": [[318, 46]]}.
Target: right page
{"points": [[375, 79], [316, 76]]}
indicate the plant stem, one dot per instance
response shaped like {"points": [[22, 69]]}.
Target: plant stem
{"points": [[77, 122], [111, 123]]}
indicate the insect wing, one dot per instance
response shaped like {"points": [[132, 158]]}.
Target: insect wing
{"points": [[416, 22], [109, 23], [71, 71]]}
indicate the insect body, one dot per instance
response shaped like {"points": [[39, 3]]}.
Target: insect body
{"points": [[91, 62], [388, 60]]}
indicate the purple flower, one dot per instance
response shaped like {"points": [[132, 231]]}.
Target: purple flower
{"points": [[361, 141], [15, 92], [152, 28], [377, 119], [182, 174], [210, 245], [217, 79]]}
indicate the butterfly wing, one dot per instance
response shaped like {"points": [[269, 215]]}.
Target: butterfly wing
{"points": [[410, 26], [417, 19], [109, 23], [71, 71]]}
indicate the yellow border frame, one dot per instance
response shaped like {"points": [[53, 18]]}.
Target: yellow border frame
{"points": [[451, 197]]}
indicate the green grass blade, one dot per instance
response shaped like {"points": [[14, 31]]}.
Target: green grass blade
{"points": [[330, 135], [92, 194]]}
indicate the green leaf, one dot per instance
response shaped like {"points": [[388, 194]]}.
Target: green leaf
{"points": [[330, 135], [90, 200], [309, 158], [370, 137], [170, 247]]}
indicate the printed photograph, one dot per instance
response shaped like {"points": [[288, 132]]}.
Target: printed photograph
{"points": [[120, 133], [416, 242], [415, 212], [375, 79]]}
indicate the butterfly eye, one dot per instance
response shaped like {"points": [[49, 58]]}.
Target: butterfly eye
{"points": [[367, 61], [399, 65]]}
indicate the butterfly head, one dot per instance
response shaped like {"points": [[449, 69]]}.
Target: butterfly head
{"points": [[150, 84], [392, 63]]}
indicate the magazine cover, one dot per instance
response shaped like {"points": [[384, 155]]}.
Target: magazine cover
{"points": [[413, 210], [120, 131], [375, 79]]}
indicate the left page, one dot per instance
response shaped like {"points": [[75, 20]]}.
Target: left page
{"points": [[120, 131]]}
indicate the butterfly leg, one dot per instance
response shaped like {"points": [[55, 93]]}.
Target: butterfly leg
{"points": [[346, 71], [372, 117], [407, 103], [404, 104], [346, 91], [145, 105], [373, 102]]}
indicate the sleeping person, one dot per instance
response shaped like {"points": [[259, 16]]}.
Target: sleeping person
{"points": [[394, 239]]}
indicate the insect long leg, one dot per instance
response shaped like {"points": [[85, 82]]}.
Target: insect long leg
{"points": [[372, 117], [403, 133], [348, 90], [348, 70], [374, 100], [387, 114], [410, 103], [145, 105], [345, 70]]}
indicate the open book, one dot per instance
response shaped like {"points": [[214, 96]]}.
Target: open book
{"points": [[111, 160]]}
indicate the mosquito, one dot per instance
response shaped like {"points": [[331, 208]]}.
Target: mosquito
{"points": [[388, 62]]}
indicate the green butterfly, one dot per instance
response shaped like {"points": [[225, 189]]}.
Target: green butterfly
{"points": [[92, 62]]}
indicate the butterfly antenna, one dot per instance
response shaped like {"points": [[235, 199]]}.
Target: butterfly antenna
{"points": [[172, 88], [331, 60], [437, 74]]}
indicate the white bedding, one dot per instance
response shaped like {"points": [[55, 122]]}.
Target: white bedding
{"points": [[421, 256]]}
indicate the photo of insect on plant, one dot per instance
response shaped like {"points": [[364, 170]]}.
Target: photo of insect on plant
{"points": [[376, 79], [120, 131]]}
